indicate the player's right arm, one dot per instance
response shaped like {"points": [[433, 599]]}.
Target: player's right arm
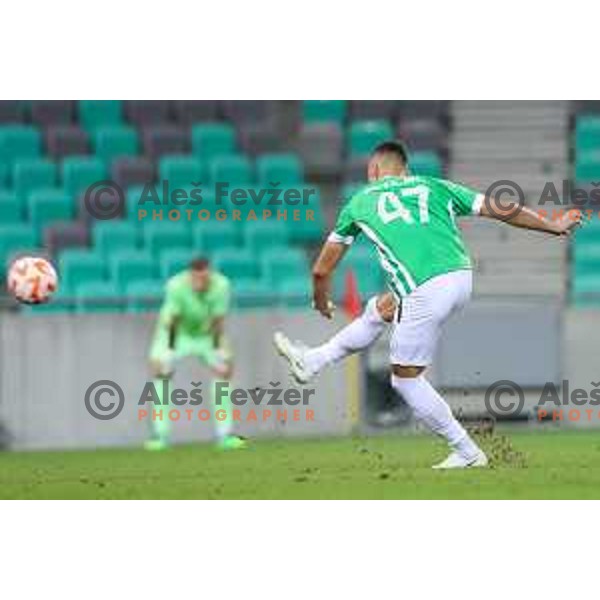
{"points": [[521, 216]]}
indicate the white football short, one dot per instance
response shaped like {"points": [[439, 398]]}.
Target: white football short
{"points": [[421, 315]]}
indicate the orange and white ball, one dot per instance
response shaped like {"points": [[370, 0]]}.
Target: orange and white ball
{"points": [[32, 279]]}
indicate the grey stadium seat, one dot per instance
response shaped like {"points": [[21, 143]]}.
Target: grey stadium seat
{"points": [[52, 112], [423, 134], [367, 110], [188, 112], [11, 111], [66, 140], [68, 234], [248, 111], [257, 139], [355, 169], [165, 139], [132, 170], [147, 112], [321, 147], [417, 109]]}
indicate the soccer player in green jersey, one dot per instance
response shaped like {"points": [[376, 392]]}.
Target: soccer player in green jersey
{"points": [[191, 323], [412, 223]]}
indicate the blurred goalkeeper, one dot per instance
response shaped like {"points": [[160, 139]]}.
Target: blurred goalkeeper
{"points": [[191, 323]]}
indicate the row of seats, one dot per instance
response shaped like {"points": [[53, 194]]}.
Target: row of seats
{"points": [[76, 173]]}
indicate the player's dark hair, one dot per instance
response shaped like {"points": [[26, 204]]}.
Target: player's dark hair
{"points": [[392, 147], [199, 264]]}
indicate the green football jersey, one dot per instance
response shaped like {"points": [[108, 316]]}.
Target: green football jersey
{"points": [[195, 311], [411, 222]]}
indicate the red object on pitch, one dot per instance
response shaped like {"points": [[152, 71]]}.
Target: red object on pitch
{"points": [[352, 302]]}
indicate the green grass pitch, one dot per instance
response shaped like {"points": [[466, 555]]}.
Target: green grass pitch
{"points": [[550, 464]]}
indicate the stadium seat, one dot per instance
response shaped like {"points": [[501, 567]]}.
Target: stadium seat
{"points": [[65, 140], [243, 112], [160, 236], [211, 237], [252, 293], [113, 236], [210, 140], [173, 261], [355, 170], [363, 136], [279, 267], [11, 112], [144, 296], [255, 139], [33, 174], [333, 111], [147, 112], [99, 296], [131, 265], [423, 134], [310, 227], [132, 170], [111, 142], [80, 266], [426, 163], [321, 147], [587, 165], [294, 292], [181, 170], [80, 172], [238, 264], [45, 206], [19, 142], [265, 236], [190, 112], [363, 110], [51, 112], [94, 114], [418, 109], [281, 169], [11, 210], [14, 239], [159, 140], [233, 169], [587, 133], [65, 234]]}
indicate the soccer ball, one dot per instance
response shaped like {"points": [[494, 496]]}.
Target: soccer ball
{"points": [[32, 279]]}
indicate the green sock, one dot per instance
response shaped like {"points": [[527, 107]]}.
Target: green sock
{"points": [[161, 428], [223, 427]]}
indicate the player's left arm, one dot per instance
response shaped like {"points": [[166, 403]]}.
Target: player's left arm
{"points": [[329, 257]]}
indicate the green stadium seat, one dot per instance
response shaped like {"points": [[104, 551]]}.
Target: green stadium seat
{"points": [[328, 111], [181, 171], [213, 236], [233, 169], [32, 174], [587, 165], [144, 295], [279, 267], [294, 292], [265, 236], [18, 142], [426, 164], [238, 264], [252, 293], [79, 172], [47, 206], [112, 236], [587, 133], [112, 142], [10, 208], [159, 236], [100, 113], [282, 169], [174, 261], [130, 265], [15, 239], [99, 297], [363, 136], [210, 140], [80, 266], [310, 227], [4, 174]]}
